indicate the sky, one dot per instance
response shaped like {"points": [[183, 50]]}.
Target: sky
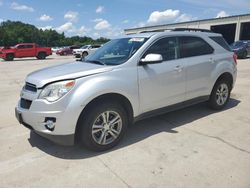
{"points": [[96, 18]]}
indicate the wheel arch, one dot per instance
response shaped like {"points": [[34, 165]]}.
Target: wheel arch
{"points": [[227, 76], [114, 97]]}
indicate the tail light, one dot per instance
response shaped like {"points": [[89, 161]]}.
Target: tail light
{"points": [[235, 59]]}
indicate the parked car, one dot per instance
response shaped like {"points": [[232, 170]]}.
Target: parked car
{"points": [[126, 80], [85, 50], [67, 50], [241, 48], [24, 50], [55, 49]]}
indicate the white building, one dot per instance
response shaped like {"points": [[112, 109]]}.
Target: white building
{"points": [[233, 28]]}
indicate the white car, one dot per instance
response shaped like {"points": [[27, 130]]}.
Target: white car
{"points": [[55, 49], [130, 78], [85, 50]]}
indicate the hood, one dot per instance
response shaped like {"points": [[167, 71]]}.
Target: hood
{"points": [[65, 71]]}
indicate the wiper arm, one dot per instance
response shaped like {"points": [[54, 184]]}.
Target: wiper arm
{"points": [[95, 62]]}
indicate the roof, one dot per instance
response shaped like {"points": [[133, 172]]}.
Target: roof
{"points": [[150, 34], [25, 43]]}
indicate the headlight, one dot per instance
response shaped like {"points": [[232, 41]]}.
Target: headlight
{"points": [[55, 91]]}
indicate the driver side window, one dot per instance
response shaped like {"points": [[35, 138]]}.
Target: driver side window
{"points": [[167, 47]]}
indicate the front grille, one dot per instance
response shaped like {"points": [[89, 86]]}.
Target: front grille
{"points": [[24, 103], [30, 87]]}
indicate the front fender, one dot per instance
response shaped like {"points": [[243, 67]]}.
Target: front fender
{"points": [[121, 81]]}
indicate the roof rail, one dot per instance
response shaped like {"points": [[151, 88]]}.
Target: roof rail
{"points": [[178, 29], [192, 29]]}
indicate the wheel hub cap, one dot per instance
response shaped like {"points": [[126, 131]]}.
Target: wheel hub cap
{"points": [[222, 94], [107, 127]]}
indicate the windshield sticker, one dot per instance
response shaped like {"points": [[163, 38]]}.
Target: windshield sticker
{"points": [[136, 40]]}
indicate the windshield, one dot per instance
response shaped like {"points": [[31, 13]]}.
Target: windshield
{"points": [[116, 51], [84, 47], [237, 44]]}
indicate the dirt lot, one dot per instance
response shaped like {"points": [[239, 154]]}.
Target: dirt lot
{"points": [[193, 147]]}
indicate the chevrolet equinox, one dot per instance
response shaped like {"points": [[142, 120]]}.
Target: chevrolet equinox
{"points": [[130, 78]]}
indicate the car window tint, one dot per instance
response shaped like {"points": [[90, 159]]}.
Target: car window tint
{"points": [[21, 47], [167, 47], [193, 46], [29, 46], [221, 41]]}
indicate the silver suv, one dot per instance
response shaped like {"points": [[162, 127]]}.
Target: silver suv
{"points": [[138, 76]]}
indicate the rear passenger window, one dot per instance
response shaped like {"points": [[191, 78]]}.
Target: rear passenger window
{"points": [[29, 46], [167, 47], [221, 41], [21, 47], [194, 46]]}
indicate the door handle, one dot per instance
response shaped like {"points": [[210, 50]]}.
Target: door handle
{"points": [[178, 68], [211, 60]]}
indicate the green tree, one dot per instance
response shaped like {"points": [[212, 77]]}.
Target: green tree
{"points": [[14, 32]]}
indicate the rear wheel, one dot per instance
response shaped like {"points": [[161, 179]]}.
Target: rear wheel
{"points": [[220, 95], [9, 57], [244, 55], [41, 55], [102, 126]]}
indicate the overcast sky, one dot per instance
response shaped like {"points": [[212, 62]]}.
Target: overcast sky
{"points": [[108, 18]]}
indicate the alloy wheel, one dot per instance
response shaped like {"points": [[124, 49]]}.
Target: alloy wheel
{"points": [[222, 94], [107, 127]]}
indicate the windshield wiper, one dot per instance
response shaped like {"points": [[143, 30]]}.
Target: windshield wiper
{"points": [[95, 62]]}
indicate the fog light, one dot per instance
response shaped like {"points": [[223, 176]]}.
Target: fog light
{"points": [[50, 123]]}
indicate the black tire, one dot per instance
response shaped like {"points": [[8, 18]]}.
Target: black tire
{"points": [[9, 57], [244, 55], [41, 55], [84, 54], [86, 122], [218, 99]]}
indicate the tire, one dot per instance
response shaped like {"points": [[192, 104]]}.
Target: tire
{"points": [[9, 57], [102, 136], [220, 95], [84, 54], [244, 55], [41, 55]]}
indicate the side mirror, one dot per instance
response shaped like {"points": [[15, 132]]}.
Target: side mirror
{"points": [[151, 59]]}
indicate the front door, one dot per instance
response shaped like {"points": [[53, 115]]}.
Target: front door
{"points": [[162, 84]]}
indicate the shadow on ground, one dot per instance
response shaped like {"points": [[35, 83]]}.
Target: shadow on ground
{"points": [[29, 59], [136, 133]]}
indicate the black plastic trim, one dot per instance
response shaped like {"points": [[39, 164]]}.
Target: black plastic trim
{"points": [[171, 108], [65, 140]]}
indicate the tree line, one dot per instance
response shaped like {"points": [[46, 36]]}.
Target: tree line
{"points": [[14, 32]]}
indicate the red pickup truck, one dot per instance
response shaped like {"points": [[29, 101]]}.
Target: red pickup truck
{"points": [[24, 50]]}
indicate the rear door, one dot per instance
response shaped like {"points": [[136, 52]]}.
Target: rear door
{"points": [[198, 57], [162, 84]]}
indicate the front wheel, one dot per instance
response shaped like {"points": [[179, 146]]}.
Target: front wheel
{"points": [[102, 126], [9, 57], [220, 95]]}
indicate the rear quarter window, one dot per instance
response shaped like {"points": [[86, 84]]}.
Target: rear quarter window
{"points": [[193, 46], [222, 42]]}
